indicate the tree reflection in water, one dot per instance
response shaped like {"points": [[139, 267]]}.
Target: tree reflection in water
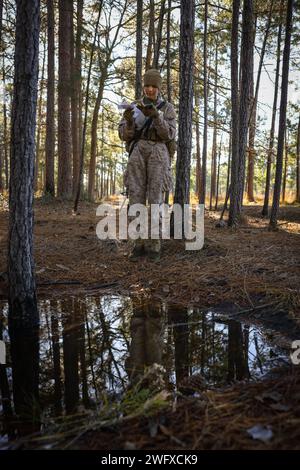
{"points": [[88, 350]]}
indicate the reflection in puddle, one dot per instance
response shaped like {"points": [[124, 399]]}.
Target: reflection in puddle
{"points": [[88, 351]]}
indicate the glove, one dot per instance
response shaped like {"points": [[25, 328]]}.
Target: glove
{"points": [[128, 115], [149, 111]]}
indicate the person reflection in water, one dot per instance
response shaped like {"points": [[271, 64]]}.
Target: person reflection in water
{"points": [[146, 348]]}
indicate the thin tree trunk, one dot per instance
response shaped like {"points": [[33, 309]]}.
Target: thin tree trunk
{"points": [[198, 151], [228, 178], [92, 166], [246, 55], [78, 81], [151, 34], [101, 180], [233, 210], [252, 124], [139, 50], [265, 209], [214, 146], [39, 121], [218, 175], [186, 49], [64, 186], [159, 35], [282, 114], [74, 106], [285, 165], [168, 60], [6, 147], [102, 156], [50, 123], [168, 47], [205, 104], [5, 129]]}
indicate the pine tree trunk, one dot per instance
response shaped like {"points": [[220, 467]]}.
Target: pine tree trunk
{"points": [[238, 178], [151, 34], [227, 193], [265, 209], [50, 123], [22, 290], [282, 114], [214, 145], [159, 35], [186, 49], [6, 147], [285, 166], [78, 81], [92, 166], [252, 124], [139, 50], [168, 60], [244, 112], [168, 54], [5, 129], [218, 175], [198, 151], [233, 209], [102, 182], [37, 183], [205, 104], [64, 186], [74, 106]]}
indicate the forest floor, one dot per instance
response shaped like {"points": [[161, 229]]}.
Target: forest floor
{"points": [[250, 271]]}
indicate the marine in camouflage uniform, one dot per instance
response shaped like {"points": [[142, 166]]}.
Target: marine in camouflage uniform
{"points": [[148, 172]]}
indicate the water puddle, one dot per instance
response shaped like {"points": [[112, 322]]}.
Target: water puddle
{"points": [[89, 350]]}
